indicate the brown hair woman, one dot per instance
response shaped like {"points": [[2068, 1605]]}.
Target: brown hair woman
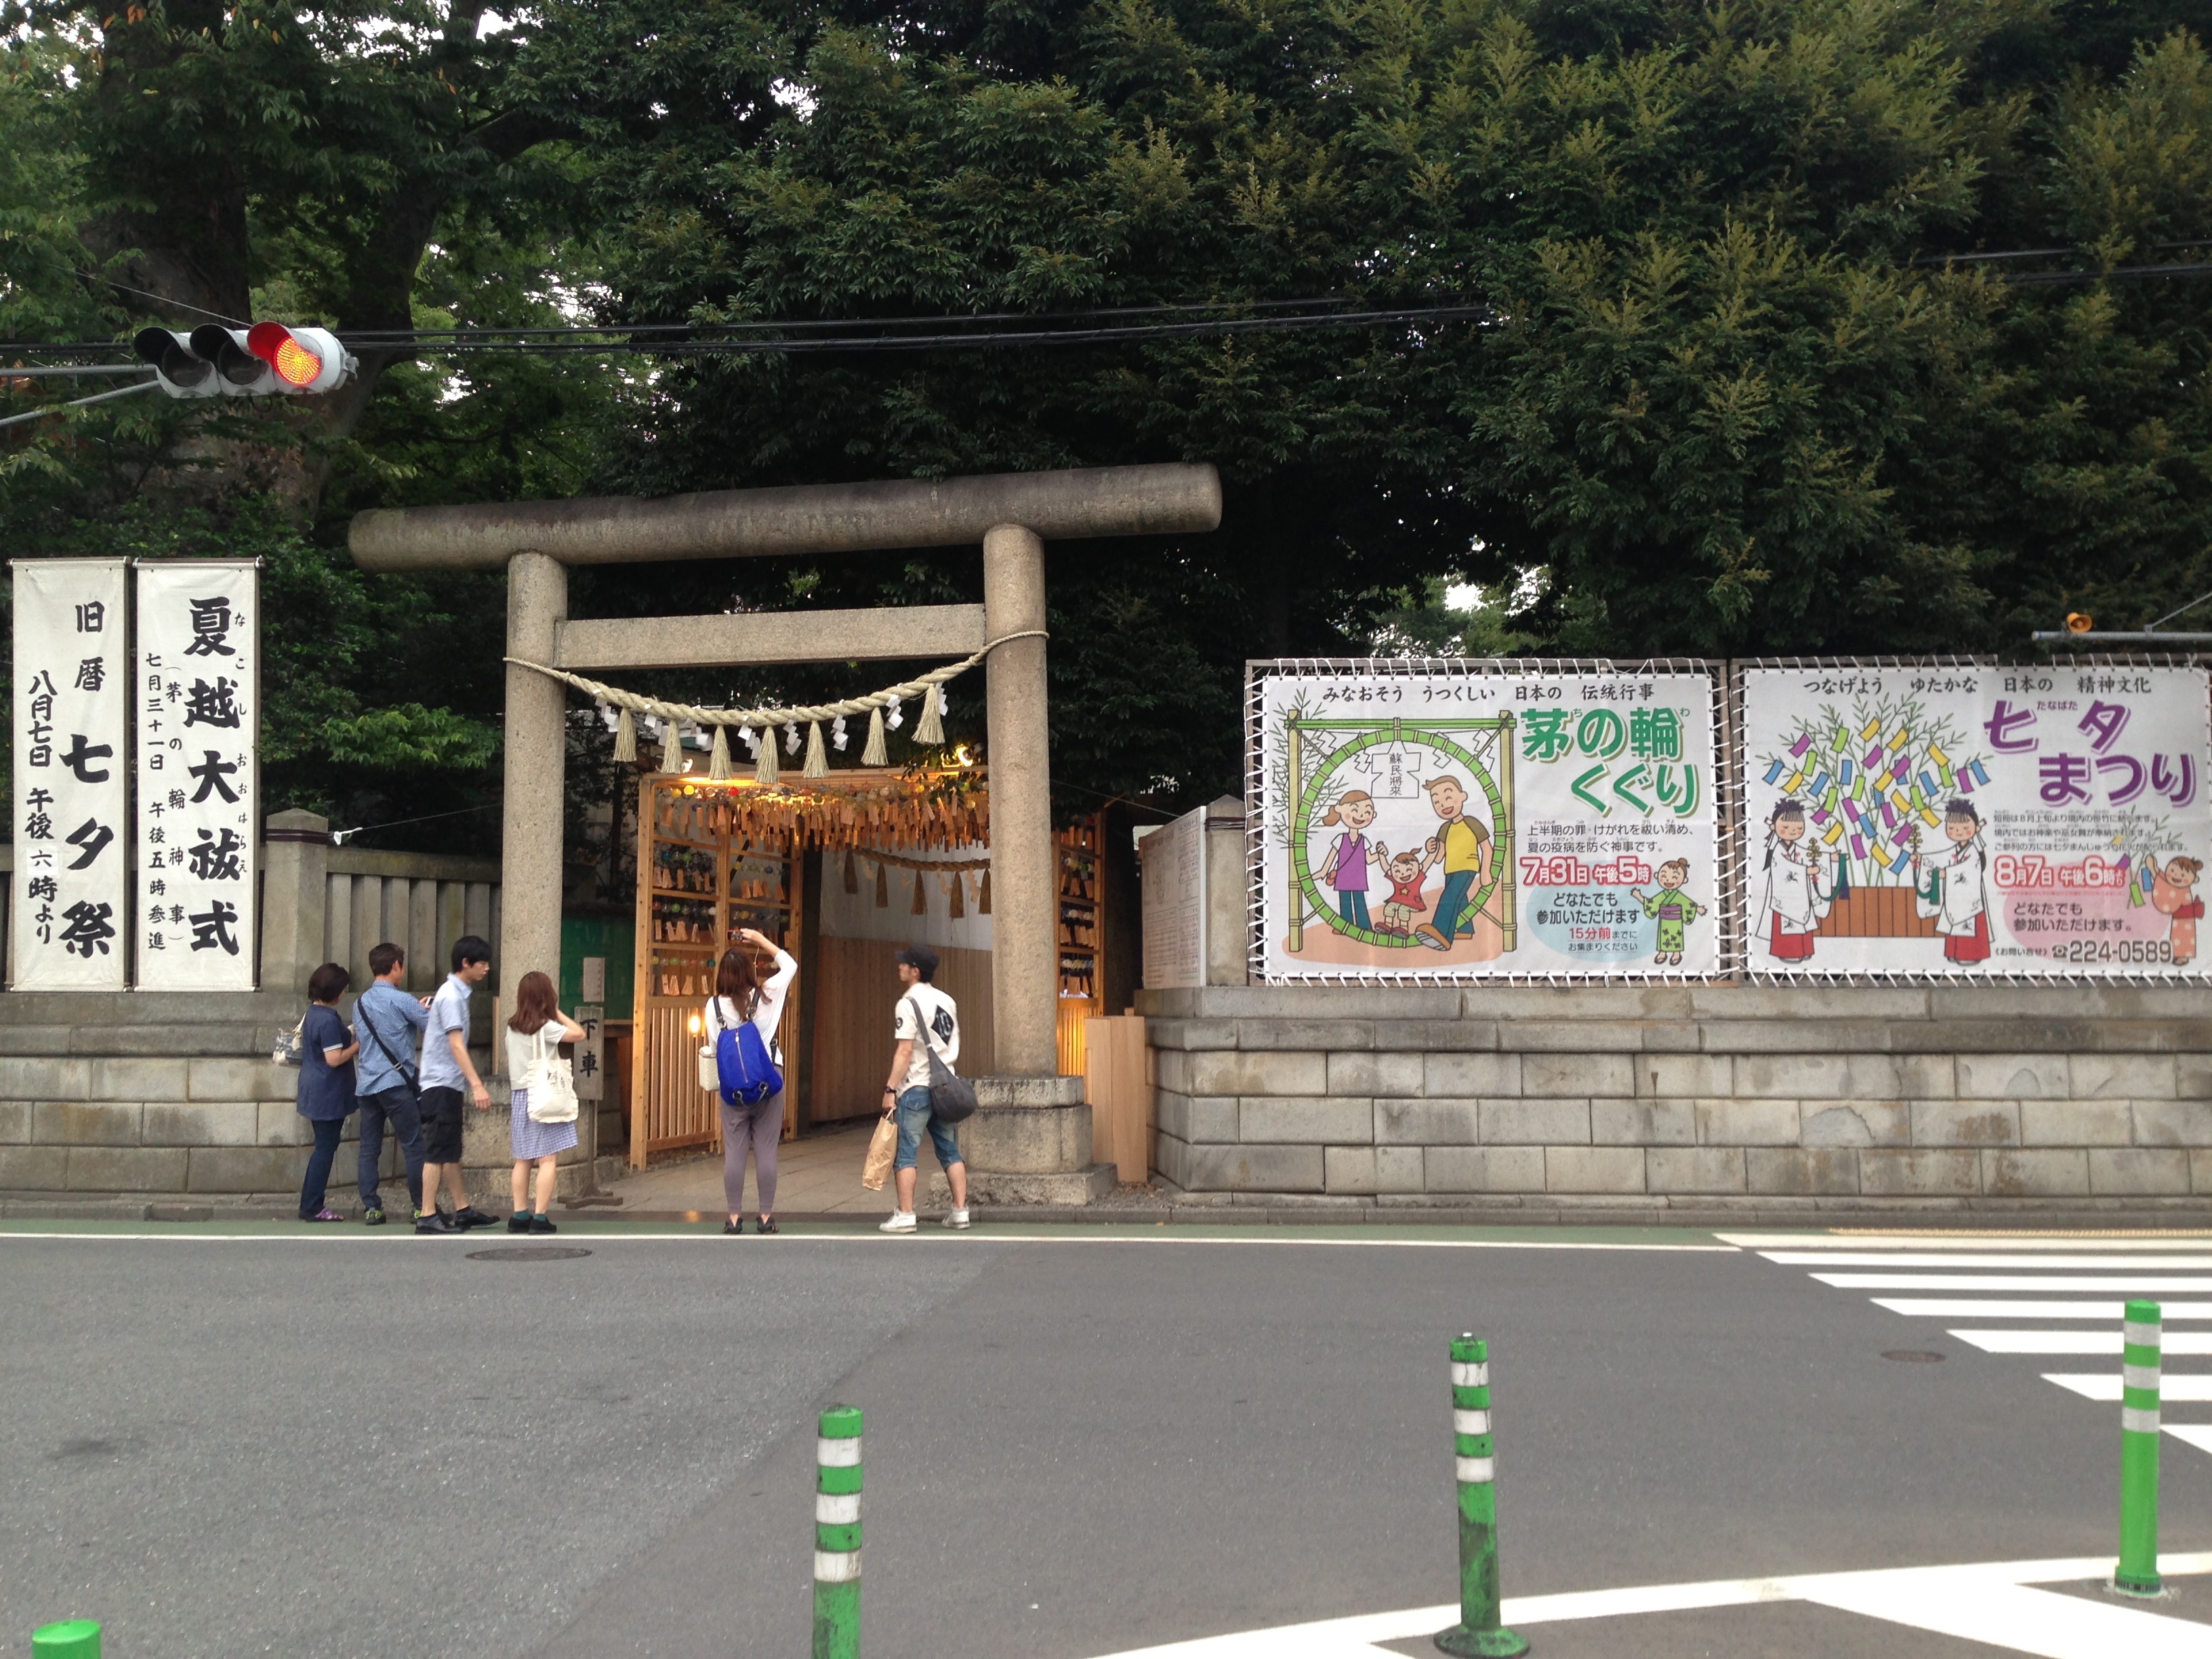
{"points": [[741, 994], [529, 1043]]}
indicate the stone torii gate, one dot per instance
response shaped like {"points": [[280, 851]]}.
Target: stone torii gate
{"points": [[1010, 514]]}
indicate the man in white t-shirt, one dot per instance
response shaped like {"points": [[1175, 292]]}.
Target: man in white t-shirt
{"points": [[906, 1091]]}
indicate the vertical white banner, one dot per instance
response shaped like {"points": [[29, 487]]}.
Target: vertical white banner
{"points": [[198, 696], [71, 782]]}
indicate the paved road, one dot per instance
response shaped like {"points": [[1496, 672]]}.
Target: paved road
{"points": [[1079, 1445]]}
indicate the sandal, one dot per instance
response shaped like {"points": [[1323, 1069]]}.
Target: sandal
{"points": [[766, 1224], [325, 1213], [732, 1228]]}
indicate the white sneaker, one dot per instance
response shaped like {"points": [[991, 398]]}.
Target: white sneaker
{"points": [[902, 1221], [956, 1220]]}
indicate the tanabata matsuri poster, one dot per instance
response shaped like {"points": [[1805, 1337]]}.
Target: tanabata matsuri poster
{"points": [[1965, 819], [1489, 818], [199, 718], [72, 782]]}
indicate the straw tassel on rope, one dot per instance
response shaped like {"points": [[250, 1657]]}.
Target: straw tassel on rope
{"points": [[883, 886], [852, 874], [672, 750], [929, 731], [983, 896], [958, 906], [921, 895], [764, 758], [817, 759], [875, 754], [718, 763], [625, 737]]}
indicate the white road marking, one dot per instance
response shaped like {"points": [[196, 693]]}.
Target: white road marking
{"points": [[2025, 1242], [2010, 1341], [1877, 1258], [1942, 1307], [981, 1235], [2198, 1434], [2106, 1386], [1929, 1598], [2143, 1284]]}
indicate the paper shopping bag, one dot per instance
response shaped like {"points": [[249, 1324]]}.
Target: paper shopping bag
{"points": [[882, 1147]]}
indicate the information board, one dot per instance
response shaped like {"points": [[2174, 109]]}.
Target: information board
{"points": [[1487, 818], [1950, 819]]}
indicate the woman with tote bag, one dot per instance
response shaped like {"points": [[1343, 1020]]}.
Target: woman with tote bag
{"points": [[534, 1036], [740, 994]]}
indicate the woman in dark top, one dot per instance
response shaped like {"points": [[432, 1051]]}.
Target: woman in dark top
{"points": [[326, 1096]]}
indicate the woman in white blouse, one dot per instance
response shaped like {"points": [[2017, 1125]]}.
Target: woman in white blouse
{"points": [[740, 994]]}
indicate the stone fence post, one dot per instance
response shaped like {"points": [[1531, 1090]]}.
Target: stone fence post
{"points": [[1228, 931], [294, 881]]}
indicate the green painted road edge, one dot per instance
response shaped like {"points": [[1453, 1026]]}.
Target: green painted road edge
{"points": [[838, 1535], [2141, 1341]]}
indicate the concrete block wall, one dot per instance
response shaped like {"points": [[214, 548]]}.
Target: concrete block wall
{"points": [[1707, 1098]]}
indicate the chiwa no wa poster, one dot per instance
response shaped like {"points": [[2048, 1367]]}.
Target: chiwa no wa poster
{"points": [[1488, 822], [1965, 819]]}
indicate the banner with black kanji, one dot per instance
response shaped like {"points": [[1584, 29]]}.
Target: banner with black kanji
{"points": [[196, 694], [71, 779]]}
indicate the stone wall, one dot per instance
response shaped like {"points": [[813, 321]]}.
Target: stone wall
{"points": [[1712, 1098]]}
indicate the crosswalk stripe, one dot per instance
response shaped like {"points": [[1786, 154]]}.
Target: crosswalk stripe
{"points": [[2198, 1434], [2037, 1621], [2019, 1341], [2105, 1385], [1948, 1307], [1883, 1259], [2028, 1244], [2140, 1285]]}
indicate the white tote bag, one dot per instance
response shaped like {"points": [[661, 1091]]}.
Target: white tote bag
{"points": [[553, 1095]]}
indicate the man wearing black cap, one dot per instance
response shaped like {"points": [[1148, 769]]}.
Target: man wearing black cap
{"points": [[926, 1020]]}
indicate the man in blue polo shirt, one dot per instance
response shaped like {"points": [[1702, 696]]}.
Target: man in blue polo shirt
{"points": [[384, 1021], [446, 1070]]}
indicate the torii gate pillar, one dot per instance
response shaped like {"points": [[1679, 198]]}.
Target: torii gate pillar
{"points": [[536, 795], [1025, 926]]}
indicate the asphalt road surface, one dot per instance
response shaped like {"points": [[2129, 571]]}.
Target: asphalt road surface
{"points": [[314, 1443]]}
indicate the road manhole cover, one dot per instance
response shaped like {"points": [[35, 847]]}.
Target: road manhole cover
{"points": [[1910, 1356], [528, 1252]]}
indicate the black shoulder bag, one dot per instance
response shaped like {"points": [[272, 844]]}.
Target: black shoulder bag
{"points": [[951, 1097], [406, 1071]]}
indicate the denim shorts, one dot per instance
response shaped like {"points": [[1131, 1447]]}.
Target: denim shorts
{"points": [[914, 1113]]}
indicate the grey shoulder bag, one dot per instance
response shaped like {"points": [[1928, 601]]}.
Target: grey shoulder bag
{"points": [[951, 1097]]}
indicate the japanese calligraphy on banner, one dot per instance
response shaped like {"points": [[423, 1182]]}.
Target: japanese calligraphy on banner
{"points": [[1974, 820], [198, 712], [1486, 819], [71, 789]]}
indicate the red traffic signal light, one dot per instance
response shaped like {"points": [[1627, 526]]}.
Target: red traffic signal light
{"points": [[268, 358], [301, 359]]}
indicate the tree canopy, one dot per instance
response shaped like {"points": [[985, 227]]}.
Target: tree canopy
{"points": [[1733, 374]]}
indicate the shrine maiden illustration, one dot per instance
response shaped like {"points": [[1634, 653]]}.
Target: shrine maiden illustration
{"points": [[1799, 885], [1953, 885]]}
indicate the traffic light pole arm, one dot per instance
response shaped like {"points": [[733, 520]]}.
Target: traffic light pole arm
{"points": [[79, 403]]}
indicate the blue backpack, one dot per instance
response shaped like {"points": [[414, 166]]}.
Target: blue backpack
{"points": [[743, 1064]]}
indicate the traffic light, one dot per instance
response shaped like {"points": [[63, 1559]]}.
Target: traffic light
{"points": [[267, 359]]}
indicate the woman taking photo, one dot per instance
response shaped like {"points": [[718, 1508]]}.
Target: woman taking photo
{"points": [[740, 994], [534, 1034], [326, 1096]]}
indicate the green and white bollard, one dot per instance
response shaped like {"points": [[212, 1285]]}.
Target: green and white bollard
{"points": [[2139, 1365], [1479, 1631], [838, 1535], [72, 1638]]}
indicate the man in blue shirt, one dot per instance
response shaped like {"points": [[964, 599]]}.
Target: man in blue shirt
{"points": [[447, 1070], [385, 1019]]}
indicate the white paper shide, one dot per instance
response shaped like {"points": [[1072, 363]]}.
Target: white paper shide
{"points": [[72, 784], [196, 694]]}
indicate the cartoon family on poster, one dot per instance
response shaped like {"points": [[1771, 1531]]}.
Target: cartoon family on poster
{"points": [[1461, 845]]}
